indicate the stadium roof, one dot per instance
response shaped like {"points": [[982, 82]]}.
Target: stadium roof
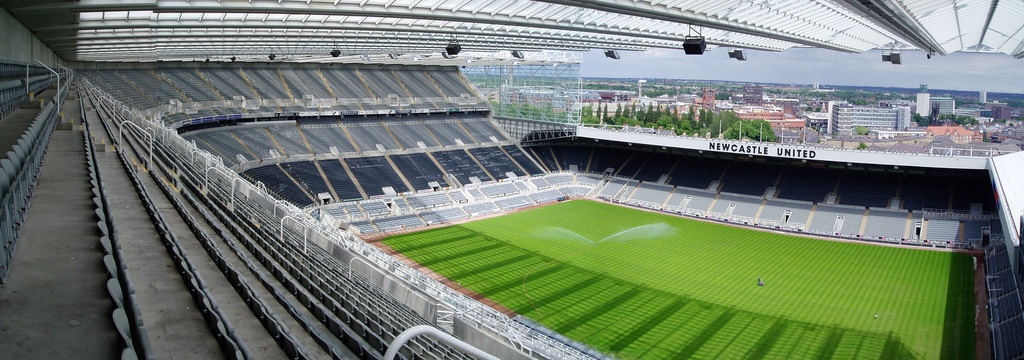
{"points": [[149, 30]]}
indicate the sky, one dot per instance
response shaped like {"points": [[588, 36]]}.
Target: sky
{"points": [[957, 71]]}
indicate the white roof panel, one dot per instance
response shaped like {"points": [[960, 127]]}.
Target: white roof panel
{"points": [[367, 25]]}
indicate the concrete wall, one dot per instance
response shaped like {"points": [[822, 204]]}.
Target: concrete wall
{"points": [[20, 44], [483, 340], [1006, 172]]}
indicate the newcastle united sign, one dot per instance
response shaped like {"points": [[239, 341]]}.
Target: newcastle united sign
{"points": [[762, 149]]}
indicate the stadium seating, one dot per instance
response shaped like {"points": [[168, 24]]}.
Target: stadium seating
{"points": [[785, 213], [837, 220], [369, 133], [749, 179], [411, 133], [632, 166], [496, 162], [921, 192], [806, 184], [459, 164], [1004, 303], [886, 223], [696, 173], [522, 159], [429, 200], [942, 230], [419, 169], [867, 189], [655, 166], [374, 174], [499, 190], [695, 201], [447, 130], [306, 173], [736, 207], [323, 137], [969, 191], [973, 229], [480, 209], [287, 136], [278, 182], [651, 193], [570, 157], [339, 179], [399, 223]]}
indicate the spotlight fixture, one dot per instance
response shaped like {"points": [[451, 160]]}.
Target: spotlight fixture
{"points": [[233, 58], [393, 56], [207, 60], [446, 55], [929, 55], [366, 58], [895, 58], [738, 54], [335, 53], [612, 54], [518, 54], [453, 48], [694, 45], [271, 56]]}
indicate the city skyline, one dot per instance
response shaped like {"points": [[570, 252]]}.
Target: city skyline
{"points": [[957, 71]]}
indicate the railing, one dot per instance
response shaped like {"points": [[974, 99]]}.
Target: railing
{"points": [[19, 171], [135, 339], [218, 323]]}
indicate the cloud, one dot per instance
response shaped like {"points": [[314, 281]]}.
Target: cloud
{"points": [[957, 71]]}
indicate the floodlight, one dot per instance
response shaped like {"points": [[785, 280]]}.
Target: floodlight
{"points": [[453, 49], [393, 56], [271, 56], [694, 45], [895, 58], [612, 54], [518, 54], [887, 57], [335, 53], [233, 58], [738, 54]]}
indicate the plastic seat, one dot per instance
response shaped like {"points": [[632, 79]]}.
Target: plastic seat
{"points": [[111, 266], [123, 327], [114, 288]]}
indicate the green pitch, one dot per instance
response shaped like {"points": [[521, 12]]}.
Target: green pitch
{"points": [[637, 285]]}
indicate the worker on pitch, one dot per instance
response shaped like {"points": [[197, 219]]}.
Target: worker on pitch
{"points": [[760, 282]]}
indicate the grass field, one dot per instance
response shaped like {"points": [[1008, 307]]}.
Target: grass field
{"points": [[637, 284]]}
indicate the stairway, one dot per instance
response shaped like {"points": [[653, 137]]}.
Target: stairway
{"points": [[431, 78], [284, 84], [326, 181], [327, 84], [408, 185], [212, 88], [172, 85], [354, 180], [365, 84], [276, 144], [244, 145]]}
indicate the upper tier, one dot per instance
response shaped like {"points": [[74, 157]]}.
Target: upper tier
{"points": [[180, 92]]}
